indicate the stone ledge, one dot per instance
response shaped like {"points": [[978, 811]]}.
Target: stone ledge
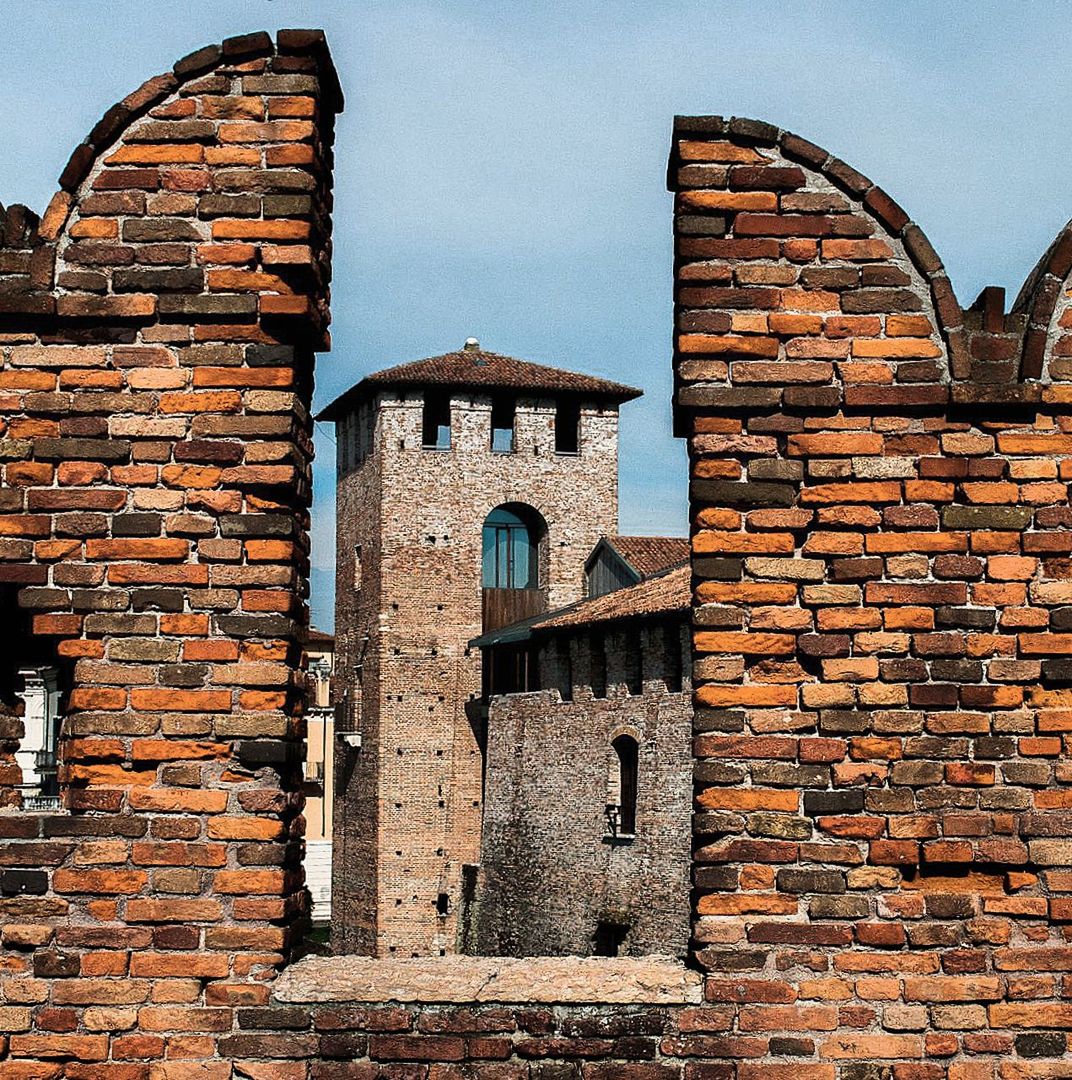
{"points": [[546, 980]]}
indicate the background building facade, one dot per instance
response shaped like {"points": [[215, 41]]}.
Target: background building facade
{"points": [[586, 840], [319, 768], [472, 488]]}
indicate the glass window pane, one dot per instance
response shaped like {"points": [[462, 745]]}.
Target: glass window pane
{"points": [[510, 556], [503, 551], [488, 574], [519, 558], [533, 578]]}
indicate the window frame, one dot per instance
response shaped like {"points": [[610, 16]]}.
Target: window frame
{"points": [[509, 537]]}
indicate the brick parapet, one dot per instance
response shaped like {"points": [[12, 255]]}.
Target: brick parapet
{"points": [[882, 861], [157, 332], [989, 356], [190, 142], [880, 542]]}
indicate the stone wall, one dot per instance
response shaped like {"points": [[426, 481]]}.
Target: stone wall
{"points": [[409, 803], [550, 869]]}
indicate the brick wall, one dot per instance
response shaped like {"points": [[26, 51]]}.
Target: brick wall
{"points": [[881, 553], [882, 866], [157, 331]]}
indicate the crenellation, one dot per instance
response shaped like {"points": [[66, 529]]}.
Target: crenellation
{"points": [[879, 640]]}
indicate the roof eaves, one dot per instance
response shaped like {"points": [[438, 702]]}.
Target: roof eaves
{"points": [[545, 622], [403, 376], [513, 633]]}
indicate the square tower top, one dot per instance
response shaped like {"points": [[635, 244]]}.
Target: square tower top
{"points": [[474, 368]]}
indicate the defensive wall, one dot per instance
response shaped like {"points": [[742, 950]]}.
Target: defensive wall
{"points": [[882, 868]]}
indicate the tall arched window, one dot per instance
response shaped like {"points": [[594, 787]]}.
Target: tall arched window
{"points": [[625, 783], [510, 551]]}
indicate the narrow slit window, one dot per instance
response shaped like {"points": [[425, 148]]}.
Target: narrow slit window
{"points": [[568, 427], [598, 661], [627, 753], [503, 415], [634, 662], [436, 422], [672, 646], [565, 669]]}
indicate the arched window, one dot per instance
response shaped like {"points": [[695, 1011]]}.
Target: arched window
{"points": [[511, 559], [624, 783]]}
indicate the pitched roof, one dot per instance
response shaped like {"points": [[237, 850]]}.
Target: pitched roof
{"points": [[649, 555], [474, 368], [661, 594], [668, 593]]}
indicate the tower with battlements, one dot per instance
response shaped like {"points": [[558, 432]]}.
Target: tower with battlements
{"points": [[471, 489]]}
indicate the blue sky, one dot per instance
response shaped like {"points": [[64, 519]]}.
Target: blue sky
{"points": [[500, 167]]}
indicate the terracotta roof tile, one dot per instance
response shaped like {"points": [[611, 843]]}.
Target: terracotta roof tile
{"points": [[649, 555], [662, 594], [476, 369]]}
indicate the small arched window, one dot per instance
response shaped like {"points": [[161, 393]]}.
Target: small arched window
{"points": [[624, 783], [509, 551]]}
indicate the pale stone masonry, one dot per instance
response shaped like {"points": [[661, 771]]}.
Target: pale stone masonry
{"points": [[409, 599], [319, 660]]}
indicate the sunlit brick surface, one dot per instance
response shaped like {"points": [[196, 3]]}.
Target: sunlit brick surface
{"points": [[883, 856]]}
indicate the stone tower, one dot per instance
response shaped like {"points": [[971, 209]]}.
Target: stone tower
{"points": [[471, 488]]}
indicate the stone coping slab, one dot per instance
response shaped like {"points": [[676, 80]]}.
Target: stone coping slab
{"points": [[545, 980]]}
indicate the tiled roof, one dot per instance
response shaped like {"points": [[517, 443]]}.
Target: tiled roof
{"points": [[664, 594], [474, 368], [649, 555]]}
